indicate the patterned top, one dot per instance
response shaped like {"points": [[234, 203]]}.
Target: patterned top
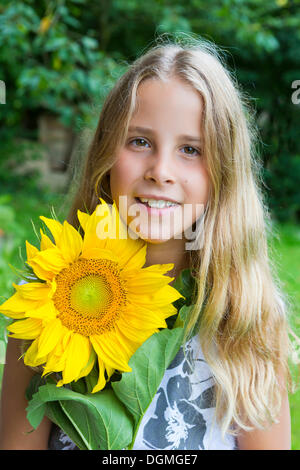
{"points": [[180, 417]]}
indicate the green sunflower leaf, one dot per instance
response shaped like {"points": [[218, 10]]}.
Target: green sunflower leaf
{"points": [[100, 420], [56, 414], [185, 284]]}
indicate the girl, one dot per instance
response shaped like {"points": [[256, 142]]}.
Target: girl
{"points": [[176, 127]]}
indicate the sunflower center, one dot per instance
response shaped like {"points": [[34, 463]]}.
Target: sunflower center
{"points": [[90, 296]]}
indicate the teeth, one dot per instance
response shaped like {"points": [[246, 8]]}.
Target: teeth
{"points": [[158, 203]]}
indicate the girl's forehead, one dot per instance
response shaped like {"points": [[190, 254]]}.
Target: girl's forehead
{"points": [[168, 104], [172, 88]]}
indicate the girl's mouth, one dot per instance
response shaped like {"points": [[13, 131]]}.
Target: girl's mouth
{"points": [[157, 210]]}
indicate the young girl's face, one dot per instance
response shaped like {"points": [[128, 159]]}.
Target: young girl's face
{"points": [[162, 161]]}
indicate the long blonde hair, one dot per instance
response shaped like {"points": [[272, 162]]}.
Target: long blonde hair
{"points": [[239, 303]]}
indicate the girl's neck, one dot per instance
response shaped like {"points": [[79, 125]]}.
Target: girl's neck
{"points": [[159, 253]]}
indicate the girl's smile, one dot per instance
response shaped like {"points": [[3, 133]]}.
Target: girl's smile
{"points": [[157, 206]]}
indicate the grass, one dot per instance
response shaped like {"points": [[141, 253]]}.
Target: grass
{"points": [[25, 208], [287, 257]]}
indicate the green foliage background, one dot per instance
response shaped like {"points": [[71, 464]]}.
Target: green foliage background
{"points": [[64, 56]]}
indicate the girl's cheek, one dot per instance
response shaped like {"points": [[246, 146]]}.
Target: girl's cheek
{"points": [[123, 174], [127, 162]]}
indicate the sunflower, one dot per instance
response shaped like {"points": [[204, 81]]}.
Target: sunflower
{"points": [[91, 300]]}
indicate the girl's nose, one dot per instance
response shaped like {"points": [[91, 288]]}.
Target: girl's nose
{"points": [[160, 170]]}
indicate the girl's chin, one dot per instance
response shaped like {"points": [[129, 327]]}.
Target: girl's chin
{"points": [[155, 238], [154, 241]]}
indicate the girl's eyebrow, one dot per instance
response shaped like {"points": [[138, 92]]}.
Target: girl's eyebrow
{"points": [[147, 130]]}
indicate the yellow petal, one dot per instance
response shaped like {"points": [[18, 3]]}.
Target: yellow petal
{"points": [[128, 346], [70, 243], [159, 268], [166, 295], [46, 312], [54, 363], [30, 357], [50, 336], [83, 219], [16, 306], [161, 297], [26, 329], [122, 244], [147, 282], [101, 378], [105, 347], [91, 237], [165, 311], [45, 241], [109, 371], [54, 226], [46, 264], [37, 291], [146, 318], [105, 226], [134, 334], [79, 351], [136, 261], [88, 367], [120, 227], [56, 360], [99, 253], [31, 250], [40, 272], [66, 338]]}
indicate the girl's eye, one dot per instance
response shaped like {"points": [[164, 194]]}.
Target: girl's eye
{"points": [[193, 150], [136, 140]]}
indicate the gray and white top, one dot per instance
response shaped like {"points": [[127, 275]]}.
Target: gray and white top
{"points": [[180, 417]]}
